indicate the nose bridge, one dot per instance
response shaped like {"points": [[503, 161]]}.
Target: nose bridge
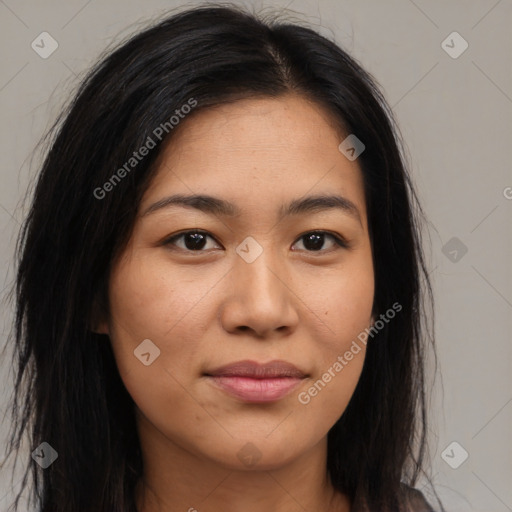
{"points": [[258, 298], [260, 295], [258, 267]]}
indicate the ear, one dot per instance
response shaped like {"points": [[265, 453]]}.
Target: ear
{"points": [[98, 322]]}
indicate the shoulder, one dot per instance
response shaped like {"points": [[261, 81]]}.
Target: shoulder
{"points": [[414, 500]]}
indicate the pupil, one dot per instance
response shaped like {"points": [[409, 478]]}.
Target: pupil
{"points": [[197, 241], [316, 239]]}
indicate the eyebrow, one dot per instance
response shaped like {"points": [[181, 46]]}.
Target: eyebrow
{"points": [[221, 207]]}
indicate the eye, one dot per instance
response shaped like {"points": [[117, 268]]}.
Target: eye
{"points": [[196, 240], [314, 240], [193, 240]]}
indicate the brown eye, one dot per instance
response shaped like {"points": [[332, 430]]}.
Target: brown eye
{"points": [[314, 241], [197, 241], [193, 240]]}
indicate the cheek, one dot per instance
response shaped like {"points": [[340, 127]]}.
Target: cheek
{"points": [[343, 309], [343, 312], [326, 397], [341, 351], [149, 301]]}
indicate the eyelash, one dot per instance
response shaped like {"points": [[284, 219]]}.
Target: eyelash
{"points": [[338, 240]]}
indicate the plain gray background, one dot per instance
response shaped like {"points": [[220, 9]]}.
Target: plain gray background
{"points": [[456, 118]]}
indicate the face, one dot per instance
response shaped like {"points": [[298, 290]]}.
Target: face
{"points": [[259, 282]]}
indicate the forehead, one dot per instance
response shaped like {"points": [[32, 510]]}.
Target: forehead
{"points": [[254, 151], [289, 120]]}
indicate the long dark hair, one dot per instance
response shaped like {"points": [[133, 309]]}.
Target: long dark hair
{"points": [[68, 391]]}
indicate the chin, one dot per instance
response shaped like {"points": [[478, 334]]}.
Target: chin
{"points": [[257, 455]]}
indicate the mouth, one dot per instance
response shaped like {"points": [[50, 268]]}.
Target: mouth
{"points": [[253, 382]]}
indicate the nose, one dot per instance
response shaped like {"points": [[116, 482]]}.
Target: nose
{"points": [[260, 299]]}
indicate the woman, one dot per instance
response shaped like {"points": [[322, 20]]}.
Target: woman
{"points": [[219, 296]]}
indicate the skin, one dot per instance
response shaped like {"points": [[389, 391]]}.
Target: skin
{"points": [[210, 308]]}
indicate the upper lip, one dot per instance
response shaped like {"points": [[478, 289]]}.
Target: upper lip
{"points": [[255, 370]]}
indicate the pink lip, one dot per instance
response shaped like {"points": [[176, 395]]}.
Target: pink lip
{"points": [[254, 382], [257, 390]]}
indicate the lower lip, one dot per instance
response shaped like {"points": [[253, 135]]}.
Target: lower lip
{"points": [[257, 390]]}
